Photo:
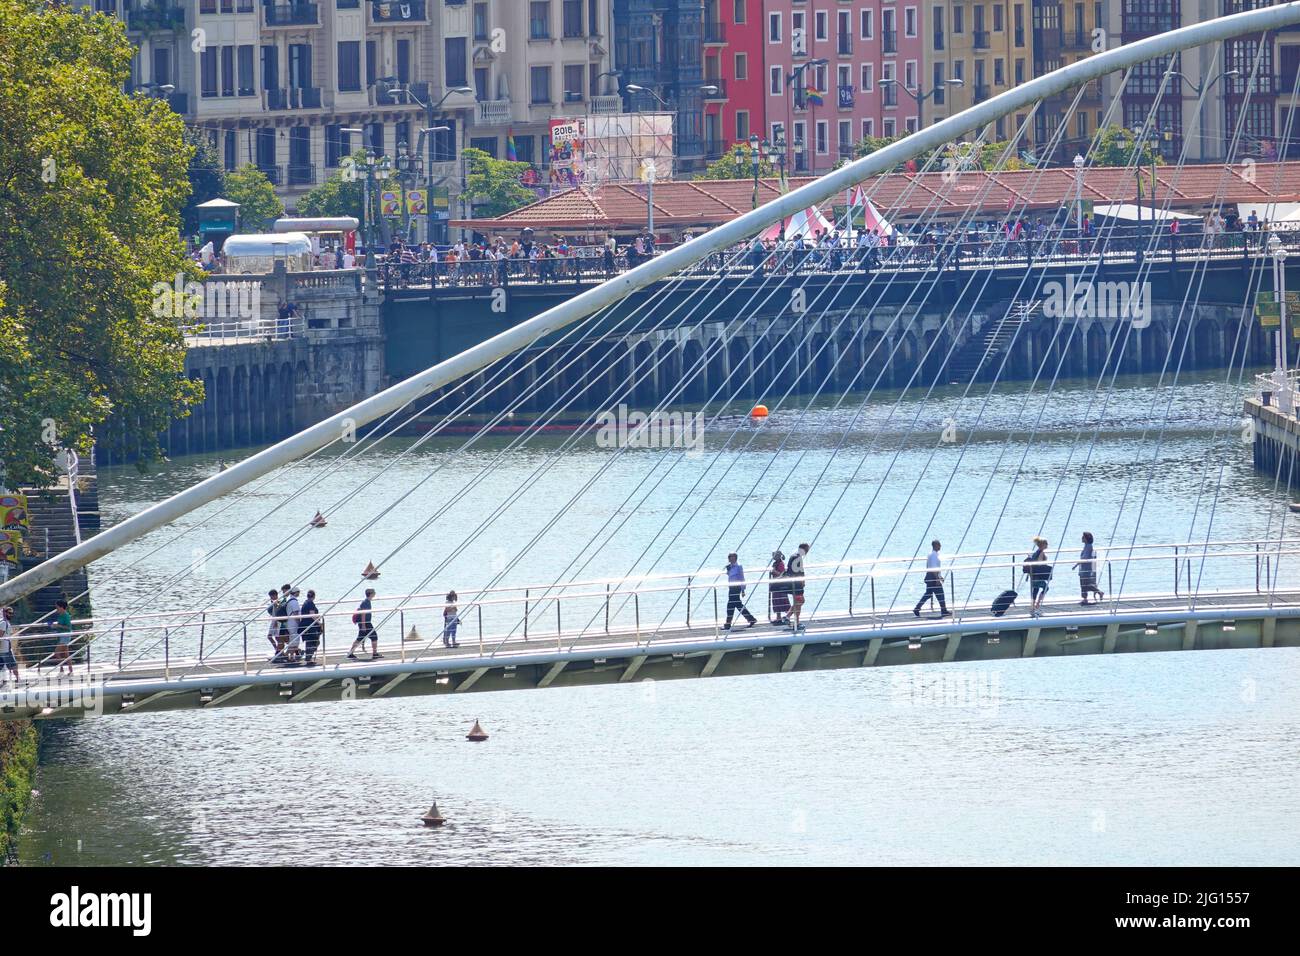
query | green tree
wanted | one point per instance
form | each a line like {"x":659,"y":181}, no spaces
{"x":738,"y":163}
{"x":207,"y":178}
{"x":344,"y":193}
{"x":493,"y":185}
{"x":92,"y":181}
{"x":259,"y":206}
{"x":1115,"y":147}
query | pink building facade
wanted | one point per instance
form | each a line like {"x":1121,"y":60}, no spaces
{"x":733,"y":62}
{"x":860,"y":42}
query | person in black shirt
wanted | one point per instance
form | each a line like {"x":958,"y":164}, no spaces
{"x":312,"y":626}
{"x":365,"y":629}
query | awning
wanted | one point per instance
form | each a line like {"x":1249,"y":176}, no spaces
{"x":1132,"y":213}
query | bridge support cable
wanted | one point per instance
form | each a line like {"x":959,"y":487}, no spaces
{"x":1182,"y":353}
{"x":473,"y":359}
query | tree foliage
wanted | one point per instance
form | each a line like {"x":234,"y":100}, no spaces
{"x":259,"y":206}
{"x":92,"y":181}
{"x":1116,"y":147}
{"x":344,"y":193}
{"x":738,"y":163}
{"x":492,"y":185}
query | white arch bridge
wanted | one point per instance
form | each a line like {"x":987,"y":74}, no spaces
{"x":650,"y":618}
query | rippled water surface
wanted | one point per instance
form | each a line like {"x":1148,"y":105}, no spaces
{"x":1175,"y":758}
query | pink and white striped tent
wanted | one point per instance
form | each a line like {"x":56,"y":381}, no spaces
{"x":871,"y":217}
{"x":807,"y":223}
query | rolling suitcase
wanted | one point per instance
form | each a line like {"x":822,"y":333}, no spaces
{"x":1002,"y":602}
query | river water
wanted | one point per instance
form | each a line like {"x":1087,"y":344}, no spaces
{"x":1168,"y":759}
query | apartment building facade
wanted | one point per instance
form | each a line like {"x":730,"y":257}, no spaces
{"x":734,"y":106}
{"x":974,"y":51}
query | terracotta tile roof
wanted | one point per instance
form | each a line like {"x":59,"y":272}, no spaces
{"x":694,"y":205}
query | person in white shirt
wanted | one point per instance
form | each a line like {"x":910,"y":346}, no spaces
{"x":7,"y":660}
{"x":933,"y":582}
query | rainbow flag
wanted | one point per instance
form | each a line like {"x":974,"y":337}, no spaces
{"x":815,"y":96}
{"x":511,"y":153}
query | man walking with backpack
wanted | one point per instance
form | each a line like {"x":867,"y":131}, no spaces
{"x":365,"y":629}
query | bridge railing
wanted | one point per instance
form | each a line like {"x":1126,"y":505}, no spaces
{"x":971,"y":249}
{"x":502,"y":619}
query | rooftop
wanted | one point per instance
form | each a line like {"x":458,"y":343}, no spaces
{"x":697,"y":205}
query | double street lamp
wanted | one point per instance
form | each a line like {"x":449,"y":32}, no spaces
{"x":758,"y":151}
{"x":1199,"y":89}
{"x":373,"y":168}
{"x":394,"y":89}
{"x":919,"y":95}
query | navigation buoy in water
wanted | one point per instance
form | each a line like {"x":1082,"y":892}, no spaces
{"x":1295,"y":506}
{"x":477,"y":733}
{"x":433,"y":818}
{"x":371,"y":572}
{"x":414,"y":635}
{"x":758,"y":411}
{"x":318,"y":521}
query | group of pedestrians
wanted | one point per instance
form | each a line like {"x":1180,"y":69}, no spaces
{"x":1036,"y":568}
{"x":785,"y":590}
{"x":296,"y":628}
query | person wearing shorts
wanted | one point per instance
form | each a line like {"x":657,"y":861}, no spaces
{"x":365,"y":629}
{"x":794,"y":571}
{"x":8,"y":662}
{"x":63,"y":628}
{"x":1040,"y":573}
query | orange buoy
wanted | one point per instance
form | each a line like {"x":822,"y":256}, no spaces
{"x":477,"y":733}
{"x":758,"y":411}
{"x":371,"y":572}
{"x":433,"y":818}
{"x":318,"y":521}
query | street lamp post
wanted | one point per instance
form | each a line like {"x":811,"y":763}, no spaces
{"x":1283,"y":388}
{"x":919,"y":95}
{"x":754,"y":155}
{"x":1078,"y":193}
{"x":394,"y":89}
{"x":1199,"y":89}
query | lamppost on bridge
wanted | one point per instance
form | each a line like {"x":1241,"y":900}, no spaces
{"x":373,"y":167}
{"x":758,"y":151}
{"x":794,"y":81}
{"x":1283,"y":389}
{"x":394,"y":89}
{"x":1078,"y":193}
{"x":920,"y":95}
{"x":1199,"y":89}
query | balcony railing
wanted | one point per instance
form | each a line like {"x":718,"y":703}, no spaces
{"x":1076,"y":41}
{"x":494,"y":112}
{"x":938,"y":40}
{"x":889,"y":41}
{"x":715,"y":33}
{"x":844,"y":45}
{"x":275,"y":174}
{"x":154,"y":18}
{"x":302,"y":174}
{"x":294,"y":98}
{"x":600,"y":105}
{"x":714,"y":148}
{"x":690,"y":147}
{"x":398,"y":11}
{"x":981,"y":92}
{"x":721,"y":86}
{"x":889,"y":94}
{"x":293,"y":15}
{"x":981,"y":39}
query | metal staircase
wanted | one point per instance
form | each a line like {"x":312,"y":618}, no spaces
{"x":982,"y":352}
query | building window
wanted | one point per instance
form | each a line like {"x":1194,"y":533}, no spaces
{"x":1019,"y":21}
{"x":909,"y":74}
{"x":868,"y":128}
{"x":936,"y":20}
{"x":481,"y":21}
{"x":1001,"y":127}
{"x":574,"y":76}
{"x":208,"y":72}
{"x":938,"y":87}
{"x":403,"y":61}
{"x":911,"y":124}
{"x":540,"y":85}
{"x":820,"y":23}
{"x":845,"y":142}
{"x":482,"y":80}
{"x":890,"y":127}
{"x":742,"y":124}
{"x":738,"y":11}
{"x":372,"y":62}
{"x":909,"y":22}
{"x":774,"y":28}
{"x":231,"y":151}
{"x":374,"y":138}
{"x":742,"y":66}
{"x":1020,"y":72}
{"x":867,"y":70}
{"x":350,"y":65}
{"x":999,"y":73}
{"x":593,"y":17}
{"x":958,"y":20}
{"x":227,"y":71}
{"x":1081,"y":125}
{"x":487,"y":144}
{"x":525,"y":148}
{"x":997,"y":18}
{"x":774,"y":80}
{"x":245,"y":56}
{"x":337,"y":145}
{"x":442,"y":144}
{"x":539,"y":20}
{"x":868,"y":24}
{"x":454,"y":52}
{"x":572,"y":16}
